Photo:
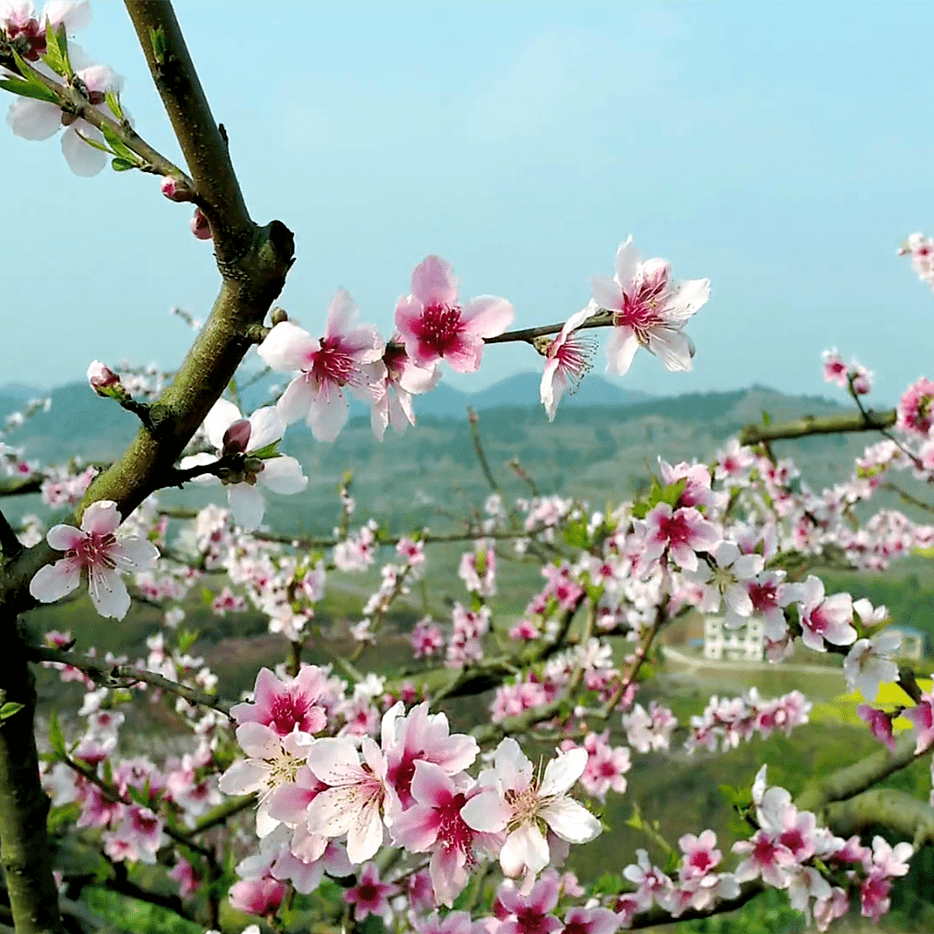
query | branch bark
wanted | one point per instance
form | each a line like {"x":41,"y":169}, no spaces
{"x":818,"y":425}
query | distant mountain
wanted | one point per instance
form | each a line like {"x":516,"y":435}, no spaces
{"x":523,"y":389}
{"x":19,"y":393}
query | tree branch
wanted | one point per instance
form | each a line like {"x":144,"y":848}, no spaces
{"x":201,"y":140}
{"x":897,"y":810}
{"x":818,"y":425}
{"x":120,"y":676}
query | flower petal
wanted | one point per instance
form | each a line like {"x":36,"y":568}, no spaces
{"x":52,"y":582}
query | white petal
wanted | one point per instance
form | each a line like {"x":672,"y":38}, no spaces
{"x":627,"y":263}
{"x":486,"y":812}
{"x":569,"y":820}
{"x":83,"y":159}
{"x":295,"y":402}
{"x":259,"y":741}
{"x":328,"y":414}
{"x":134,"y":554}
{"x":108,"y":592}
{"x":621,"y":347}
{"x":283,"y":475}
{"x":267,"y":425}
{"x":31,"y":119}
{"x":288,"y":348}
{"x":673,"y":348}
{"x":524,"y":847}
{"x":365,"y":835}
{"x":243,"y":777}
{"x":563,"y":771}
{"x":222,"y":415}
{"x":247,"y":505}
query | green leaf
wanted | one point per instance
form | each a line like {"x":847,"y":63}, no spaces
{"x":766,"y":418}
{"x":207,"y":596}
{"x":186,"y":639}
{"x":94,"y":143}
{"x":575,"y":534}
{"x":267,"y":452}
{"x":117,"y":146}
{"x":121,"y":165}
{"x":8,"y":709}
{"x":159,"y":47}
{"x":28,"y":88}
{"x":56,"y":737}
{"x":56,"y":50}
{"x":113,"y":103}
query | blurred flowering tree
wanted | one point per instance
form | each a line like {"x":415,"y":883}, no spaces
{"x":332,"y":794}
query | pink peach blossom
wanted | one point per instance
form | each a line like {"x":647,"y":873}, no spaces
{"x":433,"y":325}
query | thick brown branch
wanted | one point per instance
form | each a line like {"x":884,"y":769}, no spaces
{"x":24,"y":806}
{"x":201,"y":140}
{"x":818,"y":425}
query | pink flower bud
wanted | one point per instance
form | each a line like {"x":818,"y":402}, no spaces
{"x":237,"y":437}
{"x":175,"y":189}
{"x":200,"y":226}
{"x":104,"y":381}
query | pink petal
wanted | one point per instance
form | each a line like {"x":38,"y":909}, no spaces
{"x":431,"y":785}
{"x":65,"y":537}
{"x":488,"y":316}
{"x":101,"y":518}
{"x":53,"y":581}
{"x":434,"y":282}
{"x":464,"y":356}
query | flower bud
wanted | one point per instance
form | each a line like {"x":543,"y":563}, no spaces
{"x":237,"y":437}
{"x":199,"y":225}
{"x":279,"y":315}
{"x":175,"y":189}
{"x":104,"y":381}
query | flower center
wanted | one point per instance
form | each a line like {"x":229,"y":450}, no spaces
{"x":439,"y":326}
{"x":331,"y":364}
{"x":94,"y":550}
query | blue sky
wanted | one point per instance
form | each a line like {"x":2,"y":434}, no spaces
{"x":782,"y":150}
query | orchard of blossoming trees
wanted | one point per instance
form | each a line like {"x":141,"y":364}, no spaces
{"x":331,"y":795}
